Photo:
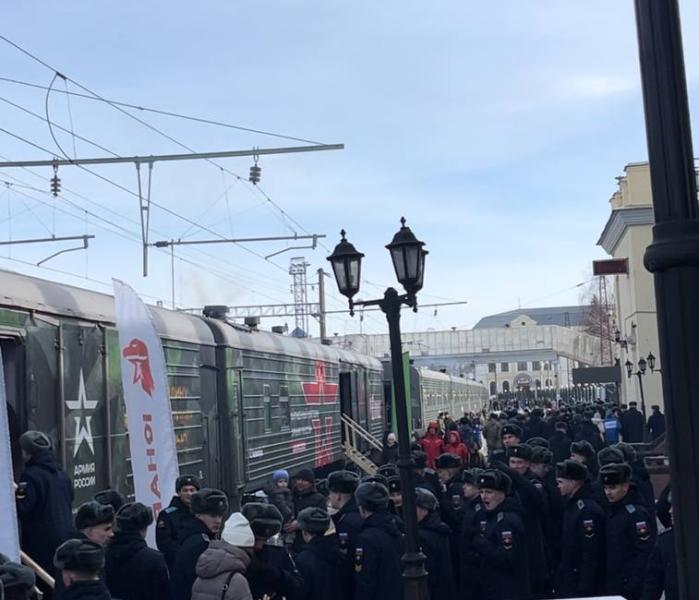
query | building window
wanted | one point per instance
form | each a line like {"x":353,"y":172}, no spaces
{"x":504,"y":367}
{"x":548,"y":383}
{"x":493,"y":388}
{"x":537,"y":383}
{"x":491,"y":367}
{"x":505,"y":386}
{"x":522,"y":366}
{"x":547,"y":366}
{"x":536,"y":365}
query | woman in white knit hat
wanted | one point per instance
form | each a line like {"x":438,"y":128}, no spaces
{"x":221,"y":568}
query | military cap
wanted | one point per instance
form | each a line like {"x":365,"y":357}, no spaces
{"x":394,"y":485}
{"x":583,"y":448}
{"x":184,"y":480}
{"x":388,"y":470}
{"x":91,"y":514}
{"x":541,"y":456}
{"x":79,"y":555}
{"x":375,"y":479}
{"x":614,"y":474}
{"x":34,"y":441}
{"x":209,"y":502}
{"x":608,"y":456}
{"x":344,"y":482}
{"x":538,"y":442}
{"x":425,"y":499}
{"x":494,"y":480}
{"x":627,"y":449}
{"x":522,"y":451}
{"x":633,"y":403}
{"x":448,"y":461}
{"x":470,"y":476}
{"x":570,"y":469}
{"x":511,"y":429}
{"x":313,"y":520}
{"x":305,"y":475}
{"x":111,"y":497}
{"x":419,"y":459}
{"x":372,"y":495}
{"x":16,"y":578}
{"x":265,"y":519}
{"x":133,"y":517}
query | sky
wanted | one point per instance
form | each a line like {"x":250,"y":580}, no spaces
{"x":497,"y":129}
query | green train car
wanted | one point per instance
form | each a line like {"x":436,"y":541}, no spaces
{"x":244,"y":402}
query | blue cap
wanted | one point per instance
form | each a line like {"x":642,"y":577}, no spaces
{"x":279,"y":475}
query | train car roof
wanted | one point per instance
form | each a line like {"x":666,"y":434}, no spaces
{"x":274,"y":343}
{"x":62,"y":300}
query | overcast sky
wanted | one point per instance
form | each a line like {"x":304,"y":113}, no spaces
{"x":497,"y":129}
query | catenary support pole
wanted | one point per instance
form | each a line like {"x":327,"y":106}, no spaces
{"x":673,"y":258}
{"x":321,"y":305}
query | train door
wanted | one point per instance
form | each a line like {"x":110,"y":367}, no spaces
{"x":211,"y":454}
{"x":234,"y":453}
{"x":43,"y":394}
{"x":12,"y":365}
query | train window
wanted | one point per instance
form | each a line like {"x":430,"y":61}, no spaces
{"x":285,"y":407}
{"x":267,"y":408}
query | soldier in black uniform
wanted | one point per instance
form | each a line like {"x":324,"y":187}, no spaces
{"x":469,"y":560}
{"x":341,"y":488}
{"x":511,"y":435}
{"x":583,"y":452}
{"x":111,"y":497}
{"x":16,"y":581}
{"x":272,"y":571}
{"x":320,"y":562}
{"x":209,"y":508}
{"x":44,"y":498}
{"x":422,"y":476}
{"x":499,"y":539}
{"x":379,"y":548}
{"x":94,"y":522}
{"x":135,"y":571}
{"x":580,"y":571}
{"x":434,"y":538}
{"x":451,"y":501}
{"x":395,"y":496}
{"x":80,"y":562}
{"x":541,"y":466}
{"x":629,"y":536}
{"x":176,"y":517}
{"x":661,"y":573}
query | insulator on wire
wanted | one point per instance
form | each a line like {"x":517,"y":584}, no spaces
{"x":255,"y":174}
{"x":55,"y":182}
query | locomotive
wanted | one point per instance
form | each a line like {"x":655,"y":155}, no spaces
{"x":244,"y":402}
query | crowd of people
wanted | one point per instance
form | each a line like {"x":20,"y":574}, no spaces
{"x":548,"y":508}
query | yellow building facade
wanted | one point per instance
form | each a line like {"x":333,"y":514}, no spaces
{"x":627,"y":234}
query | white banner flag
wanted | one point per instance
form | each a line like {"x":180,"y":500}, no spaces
{"x":9,"y":535}
{"x":146,"y":394}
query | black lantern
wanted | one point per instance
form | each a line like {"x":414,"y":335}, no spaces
{"x":408,"y":256}
{"x":629,"y":368}
{"x":642,"y":365}
{"x":347,"y":267}
{"x":651,"y":362}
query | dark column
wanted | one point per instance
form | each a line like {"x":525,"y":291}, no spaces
{"x":414,"y":574}
{"x":673,"y":258}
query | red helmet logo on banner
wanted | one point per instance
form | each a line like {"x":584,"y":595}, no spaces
{"x":137,"y":354}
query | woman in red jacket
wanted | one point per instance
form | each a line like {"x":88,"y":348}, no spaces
{"x":432,"y":444}
{"x":455,"y":446}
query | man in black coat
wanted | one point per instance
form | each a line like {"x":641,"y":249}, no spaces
{"x":174,"y":519}
{"x":656,"y":423}
{"x":319,"y":561}
{"x":580,"y":571}
{"x":377,"y":566}
{"x":435,"y":543}
{"x":272,"y":571}
{"x":209,"y":508}
{"x":541,"y":466}
{"x":499,"y":539}
{"x":44,"y":500}
{"x":661,"y":573}
{"x":422,"y":476}
{"x":347,"y":521}
{"x":632,"y":425}
{"x":559,"y":442}
{"x":80,"y":563}
{"x":629,"y":536}
{"x":469,"y":560}
{"x":133,"y":570}
{"x":305,"y":495}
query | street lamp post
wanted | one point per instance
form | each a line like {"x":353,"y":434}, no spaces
{"x":408,"y":256}
{"x":643,"y":365}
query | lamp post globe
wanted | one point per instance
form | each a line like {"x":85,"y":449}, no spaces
{"x":642,"y":366}
{"x":629,"y":368}
{"x":346,"y":262}
{"x":408,"y":256}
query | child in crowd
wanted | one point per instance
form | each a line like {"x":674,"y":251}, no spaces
{"x":280,"y":496}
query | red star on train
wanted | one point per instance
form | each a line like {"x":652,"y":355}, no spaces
{"x":319,"y":391}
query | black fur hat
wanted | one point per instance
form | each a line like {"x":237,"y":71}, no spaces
{"x":265,"y":519}
{"x":93,"y":513}
{"x":133,"y":517}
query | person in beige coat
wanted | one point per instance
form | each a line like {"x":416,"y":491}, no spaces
{"x":221,"y":568}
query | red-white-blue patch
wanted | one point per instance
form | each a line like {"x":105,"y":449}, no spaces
{"x":506,"y":537}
